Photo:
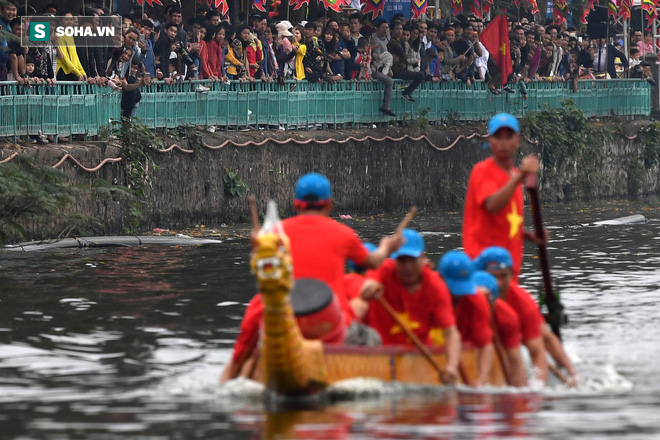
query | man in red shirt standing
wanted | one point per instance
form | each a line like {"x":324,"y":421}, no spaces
{"x":420,"y":299}
{"x":471,"y":309}
{"x":494,"y":201}
{"x":536,"y":334}
{"x":320,"y":247}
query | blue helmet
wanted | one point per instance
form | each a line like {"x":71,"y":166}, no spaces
{"x":313,"y":187}
{"x":413,"y":246}
{"x":487,"y":280}
{"x":456,"y":269}
{"x":494,"y":257}
{"x":503,"y":120}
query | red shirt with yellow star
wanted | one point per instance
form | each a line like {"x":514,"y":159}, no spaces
{"x":426,"y":311}
{"x":482,"y":229}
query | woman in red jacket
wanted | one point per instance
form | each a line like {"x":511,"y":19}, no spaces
{"x":215,"y":48}
{"x":206,"y":71}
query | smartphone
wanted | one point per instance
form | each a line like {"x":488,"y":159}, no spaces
{"x":286,"y":44}
{"x":142,"y":38}
{"x":580,"y":39}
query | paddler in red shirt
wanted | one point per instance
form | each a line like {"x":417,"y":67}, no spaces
{"x":471,"y":309}
{"x":506,"y":328}
{"x":320,"y":247}
{"x":420,"y":299}
{"x":493,"y":214}
{"x":536,"y":334}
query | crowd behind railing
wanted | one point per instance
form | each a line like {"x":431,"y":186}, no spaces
{"x":351,"y":47}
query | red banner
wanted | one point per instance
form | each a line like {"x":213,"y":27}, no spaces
{"x":300,"y":4}
{"x":624,"y":9}
{"x":418,"y":7}
{"x":612,"y":9}
{"x":375,"y":6}
{"x":534,"y":6}
{"x":456,"y":7}
{"x":335,"y":5}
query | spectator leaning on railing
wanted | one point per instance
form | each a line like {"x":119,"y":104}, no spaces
{"x":314,"y":56}
{"x":16,"y":52}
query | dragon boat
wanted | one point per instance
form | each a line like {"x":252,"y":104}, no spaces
{"x":289,"y":364}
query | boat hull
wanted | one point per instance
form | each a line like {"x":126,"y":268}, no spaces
{"x":393,"y":364}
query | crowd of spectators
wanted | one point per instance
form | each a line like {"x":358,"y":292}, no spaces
{"x":344,"y":47}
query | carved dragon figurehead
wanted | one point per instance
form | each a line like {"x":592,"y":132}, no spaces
{"x":271,"y":260}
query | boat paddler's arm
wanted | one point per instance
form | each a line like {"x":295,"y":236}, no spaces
{"x":537,"y":355}
{"x":453,"y":352}
{"x":556,"y":350}
{"x":518,"y":374}
{"x":387,"y":245}
{"x":500,"y":199}
{"x":228,"y":372}
{"x":484,"y":362}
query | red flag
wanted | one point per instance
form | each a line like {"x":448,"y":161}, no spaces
{"x":495,"y":39}
{"x":260,"y":5}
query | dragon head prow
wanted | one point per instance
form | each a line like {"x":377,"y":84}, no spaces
{"x":271,"y":259}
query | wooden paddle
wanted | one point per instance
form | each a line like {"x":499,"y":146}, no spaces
{"x":253,"y":212}
{"x":555,"y":315}
{"x":559,"y":374}
{"x":406,"y":220}
{"x":413,"y":337}
{"x":499,"y":347}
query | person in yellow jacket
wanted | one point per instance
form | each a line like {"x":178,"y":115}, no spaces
{"x":68,"y":64}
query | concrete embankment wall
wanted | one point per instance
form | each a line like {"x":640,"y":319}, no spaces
{"x":368,"y":176}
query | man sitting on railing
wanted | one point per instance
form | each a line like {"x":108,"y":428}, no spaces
{"x":399,"y":68}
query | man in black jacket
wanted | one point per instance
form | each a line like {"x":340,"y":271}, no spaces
{"x":167,"y":41}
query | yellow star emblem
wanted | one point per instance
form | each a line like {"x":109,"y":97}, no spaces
{"x":437,"y":336}
{"x":405,"y":319}
{"x":503,"y":48}
{"x":515,"y":220}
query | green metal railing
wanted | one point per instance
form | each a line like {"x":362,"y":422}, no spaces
{"x":72,"y":108}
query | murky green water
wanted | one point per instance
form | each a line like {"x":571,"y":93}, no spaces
{"x":104,"y":343}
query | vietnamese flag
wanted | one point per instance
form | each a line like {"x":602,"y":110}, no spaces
{"x":495,"y":39}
